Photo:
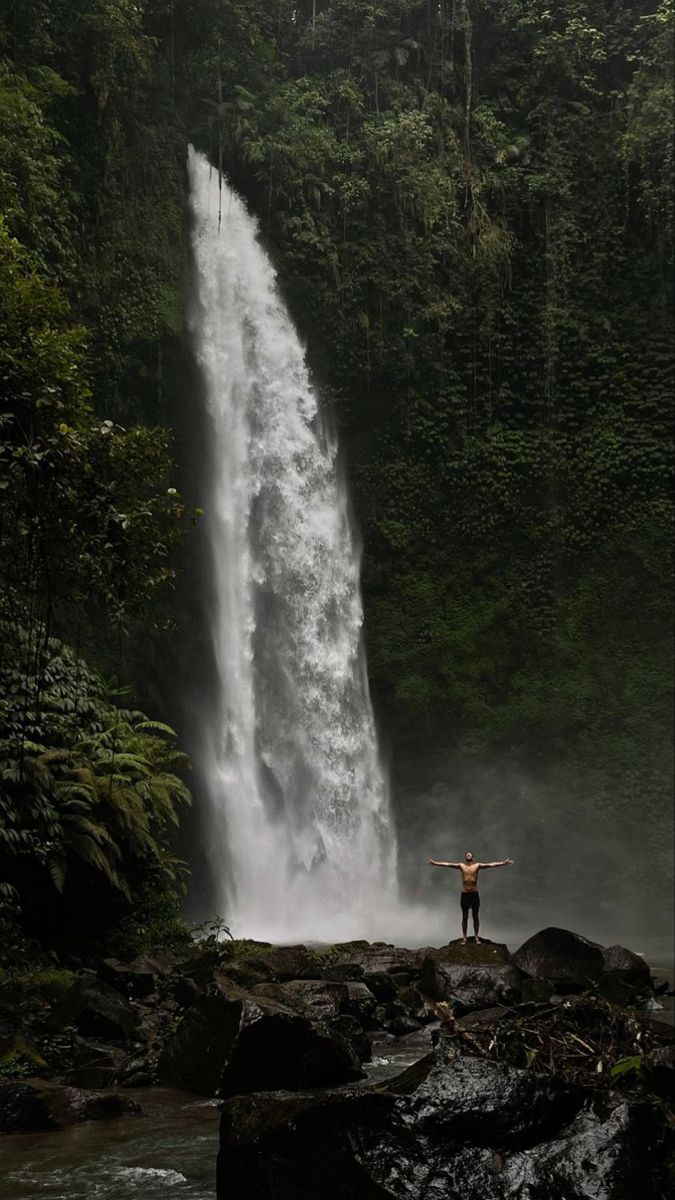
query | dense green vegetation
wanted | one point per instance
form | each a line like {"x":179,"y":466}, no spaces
{"x":470,"y":204}
{"x":89,"y":514}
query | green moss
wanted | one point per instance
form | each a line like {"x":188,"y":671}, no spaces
{"x":50,"y":983}
{"x":22,"y":1061}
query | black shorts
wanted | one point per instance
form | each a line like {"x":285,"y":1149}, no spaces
{"x":470,"y":902}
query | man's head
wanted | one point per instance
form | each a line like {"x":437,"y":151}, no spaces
{"x":468,"y":857}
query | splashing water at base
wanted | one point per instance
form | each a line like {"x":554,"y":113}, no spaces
{"x":300,"y":830}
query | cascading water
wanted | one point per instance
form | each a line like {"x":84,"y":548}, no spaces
{"x":300,"y":827}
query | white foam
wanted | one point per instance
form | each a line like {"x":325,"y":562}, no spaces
{"x":300,"y":829}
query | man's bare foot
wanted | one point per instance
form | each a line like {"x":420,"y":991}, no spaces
{"x":477,"y":941}
{"x":464,"y":941}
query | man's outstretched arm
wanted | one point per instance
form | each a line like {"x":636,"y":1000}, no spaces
{"x":432,"y":863}
{"x":506,"y":862}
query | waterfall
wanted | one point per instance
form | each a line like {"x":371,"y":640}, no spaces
{"x":299,"y":824}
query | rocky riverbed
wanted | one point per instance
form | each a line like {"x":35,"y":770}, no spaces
{"x":540,"y":1073}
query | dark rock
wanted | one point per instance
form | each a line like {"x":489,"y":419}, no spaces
{"x":361,"y":1004}
{"x":314,"y":998}
{"x":251,"y":963}
{"x":659,"y":1072}
{"x":613,"y":1150}
{"x":129,"y":980}
{"x":469,"y":988}
{"x":401,"y":1026}
{"x":402,"y":979}
{"x":560,"y":955}
{"x":485,"y":954}
{"x":381,"y":985}
{"x":159,"y":960}
{"x":232,"y":1041}
{"x":279,"y":1049}
{"x":483,"y":1016}
{"x":96,"y":1010}
{"x":203,"y":964}
{"x":489,"y":1103}
{"x":378,"y":957}
{"x":342,"y":972}
{"x":626,"y":979}
{"x":441,"y":1129}
{"x":663,"y":1031}
{"x":408,"y":1080}
{"x":293,"y":962}
{"x":25,"y":1107}
{"x":37,"y":1104}
{"x":136,"y":1072}
{"x":393,"y":1009}
{"x":613,"y":986}
{"x":630,"y":966}
{"x":413,"y":1001}
{"x":350,"y":1030}
{"x":185,"y":992}
{"x":100,"y":1106}
{"x":536,"y":990}
{"x":300,"y":1147}
{"x":94,"y":1066}
{"x":138,"y":1079}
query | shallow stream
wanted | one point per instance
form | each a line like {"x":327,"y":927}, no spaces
{"x":171,"y":1150}
{"x":168,"y":1152}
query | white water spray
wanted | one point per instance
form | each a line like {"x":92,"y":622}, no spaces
{"x":300,"y":828}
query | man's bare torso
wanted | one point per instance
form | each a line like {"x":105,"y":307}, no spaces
{"x":469,"y":876}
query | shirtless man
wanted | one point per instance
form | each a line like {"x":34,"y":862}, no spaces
{"x":470,"y":900}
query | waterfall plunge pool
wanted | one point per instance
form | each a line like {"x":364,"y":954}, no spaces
{"x":169,"y":1151}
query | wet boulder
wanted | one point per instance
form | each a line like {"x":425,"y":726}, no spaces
{"x":38,"y":1104}
{"x":93,"y":1065}
{"x":562,"y":956}
{"x":379,"y":957}
{"x":134,"y":981}
{"x":488,"y":1103}
{"x":630,"y":966}
{"x":626,"y":978}
{"x":314,"y":998}
{"x":302,"y":1146}
{"x":186,"y":992}
{"x":232,"y":1041}
{"x":361,"y":1004}
{"x":415,"y":1004}
{"x":351,"y":1031}
{"x":202,"y":963}
{"x":402,"y":1024}
{"x":348,"y":972}
{"x":614,"y":1150}
{"x":659,"y":1071}
{"x":381,"y":984}
{"x":293,"y":962}
{"x":251,"y":963}
{"x":96,"y":1010}
{"x":537,"y":991}
{"x":443,"y":1128}
{"x":471,"y":987}
{"x":485,"y":954}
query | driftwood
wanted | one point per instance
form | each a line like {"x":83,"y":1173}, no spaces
{"x":583,"y":1039}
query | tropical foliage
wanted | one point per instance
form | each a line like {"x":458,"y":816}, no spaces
{"x":89,"y":795}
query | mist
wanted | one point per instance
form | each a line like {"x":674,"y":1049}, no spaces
{"x":575,"y":867}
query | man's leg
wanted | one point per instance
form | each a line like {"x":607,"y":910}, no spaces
{"x":465,"y":922}
{"x":476,"y":926}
